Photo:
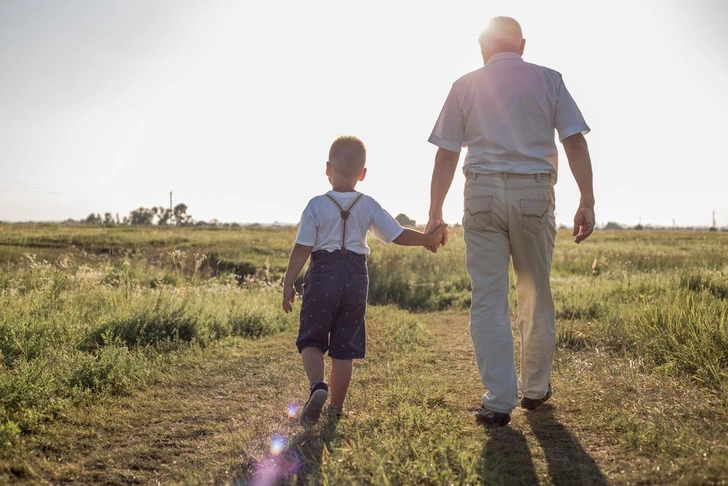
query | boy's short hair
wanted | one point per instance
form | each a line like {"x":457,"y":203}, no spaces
{"x":348,"y":155}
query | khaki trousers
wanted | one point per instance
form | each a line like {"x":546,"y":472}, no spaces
{"x":511,"y":217}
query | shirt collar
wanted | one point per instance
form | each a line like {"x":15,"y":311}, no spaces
{"x":504,"y":55}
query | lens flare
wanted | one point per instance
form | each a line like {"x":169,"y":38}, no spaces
{"x":292,"y":411}
{"x":277,"y":444}
{"x":273,"y":469}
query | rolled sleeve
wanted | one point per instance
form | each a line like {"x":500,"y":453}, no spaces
{"x":568,"y":119}
{"x":449,"y":130}
{"x":446,"y":144}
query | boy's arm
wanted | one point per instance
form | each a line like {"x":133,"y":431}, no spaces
{"x":410,"y":237}
{"x":296,"y":261}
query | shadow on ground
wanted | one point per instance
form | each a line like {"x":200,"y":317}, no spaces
{"x":298,"y":463}
{"x":506,"y":458}
{"x":568,"y":462}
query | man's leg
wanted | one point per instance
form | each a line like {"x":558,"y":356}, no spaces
{"x":487,"y":261}
{"x":532,"y":236}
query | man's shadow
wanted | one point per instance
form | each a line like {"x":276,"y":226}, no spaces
{"x":506,"y":458}
{"x":568,"y":462}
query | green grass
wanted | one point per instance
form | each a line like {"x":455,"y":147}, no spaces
{"x":88,"y":314}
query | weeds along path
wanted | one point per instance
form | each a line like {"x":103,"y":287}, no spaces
{"x":192,"y":428}
{"x":223,"y":420}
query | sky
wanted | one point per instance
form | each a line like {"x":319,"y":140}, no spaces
{"x":108,"y":106}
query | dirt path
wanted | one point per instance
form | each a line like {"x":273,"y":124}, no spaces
{"x":212,"y":422}
{"x":191,"y":429}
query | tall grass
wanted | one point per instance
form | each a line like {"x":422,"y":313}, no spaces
{"x":73,"y":334}
{"x":90,"y":312}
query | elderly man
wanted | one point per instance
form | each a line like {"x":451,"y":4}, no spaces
{"x":506,"y":114}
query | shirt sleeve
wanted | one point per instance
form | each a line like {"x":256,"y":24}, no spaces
{"x":384,"y":226}
{"x":449,"y":130}
{"x":568,"y":119}
{"x":307,"y":227}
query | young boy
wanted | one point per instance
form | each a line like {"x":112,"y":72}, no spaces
{"x":333,"y":232}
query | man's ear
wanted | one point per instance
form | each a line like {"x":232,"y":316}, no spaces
{"x":328,"y":168}
{"x":363,"y":174}
{"x":522,"y":48}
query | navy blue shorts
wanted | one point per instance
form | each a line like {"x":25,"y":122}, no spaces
{"x":334,"y":304}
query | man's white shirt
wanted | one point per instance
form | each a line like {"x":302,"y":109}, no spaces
{"x":505,"y":113}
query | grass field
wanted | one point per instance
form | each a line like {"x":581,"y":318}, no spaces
{"x":138,"y":355}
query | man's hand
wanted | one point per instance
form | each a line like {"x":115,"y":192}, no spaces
{"x":289,"y":296}
{"x":584,"y":221}
{"x":432,"y":226}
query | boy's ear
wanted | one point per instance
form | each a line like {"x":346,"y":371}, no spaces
{"x":328,"y":168}
{"x":363,"y":174}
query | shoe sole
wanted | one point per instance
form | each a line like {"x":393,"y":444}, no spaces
{"x":311,"y":412}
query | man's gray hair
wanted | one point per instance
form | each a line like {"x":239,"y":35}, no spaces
{"x":504,"y":32}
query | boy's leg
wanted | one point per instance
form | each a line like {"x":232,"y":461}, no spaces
{"x":339,"y":379}
{"x":313,"y":363}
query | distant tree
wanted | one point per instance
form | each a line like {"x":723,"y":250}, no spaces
{"x":613,"y":226}
{"x":141,"y":217}
{"x":108,"y":219}
{"x":404,"y":220}
{"x":181,"y":218}
{"x":93,"y":219}
{"x":164,"y":215}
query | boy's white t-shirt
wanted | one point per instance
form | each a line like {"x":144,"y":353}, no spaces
{"x":321,"y":222}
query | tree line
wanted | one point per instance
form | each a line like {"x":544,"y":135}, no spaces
{"x":142,"y":216}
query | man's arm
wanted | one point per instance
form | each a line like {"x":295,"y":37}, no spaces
{"x":577,"y":152}
{"x":296,"y":261}
{"x":446,"y":162}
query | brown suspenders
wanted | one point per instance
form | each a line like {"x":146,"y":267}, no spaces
{"x":344,"y":216}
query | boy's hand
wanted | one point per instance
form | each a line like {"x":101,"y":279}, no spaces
{"x":289,"y":296}
{"x":438,"y":237}
{"x":437,"y":227}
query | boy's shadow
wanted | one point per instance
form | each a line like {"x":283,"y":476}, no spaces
{"x":298,"y":463}
{"x":309,"y":448}
{"x":506,"y":458}
{"x":568,"y":462}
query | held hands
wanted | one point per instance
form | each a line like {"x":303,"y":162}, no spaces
{"x":289,"y":296}
{"x":584,"y":222}
{"x":438,"y":229}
